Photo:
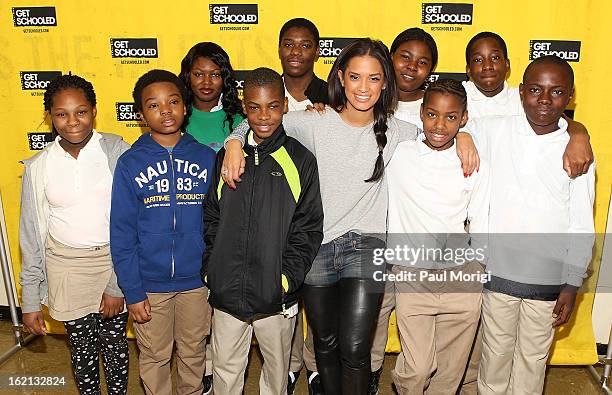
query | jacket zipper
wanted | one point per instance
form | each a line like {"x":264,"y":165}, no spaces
{"x":173,"y":212}
{"x":244,"y":275}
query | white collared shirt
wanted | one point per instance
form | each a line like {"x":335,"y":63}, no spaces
{"x":219,"y":105}
{"x":79,"y":194}
{"x":429,"y":194}
{"x":532,"y":194}
{"x":410,"y":111}
{"x":506,"y":102}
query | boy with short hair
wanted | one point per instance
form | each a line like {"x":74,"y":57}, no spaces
{"x":541,"y":231}
{"x":430,"y":200}
{"x":156,"y":237}
{"x":262,"y":239}
{"x":487,"y":66}
{"x":298,"y":50}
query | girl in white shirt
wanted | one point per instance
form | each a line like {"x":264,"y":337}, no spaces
{"x":64,"y":237}
{"x":414,"y":54}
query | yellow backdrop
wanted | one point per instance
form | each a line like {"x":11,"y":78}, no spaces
{"x":91,"y":38}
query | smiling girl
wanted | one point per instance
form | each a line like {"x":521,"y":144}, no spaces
{"x":64,"y":237}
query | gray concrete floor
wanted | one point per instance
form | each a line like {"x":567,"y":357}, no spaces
{"x":49,"y":355}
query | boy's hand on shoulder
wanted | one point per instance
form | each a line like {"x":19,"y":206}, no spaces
{"x":578,"y":155}
{"x":318,"y":107}
{"x":34,"y":323}
{"x":565,"y":305}
{"x":111,"y":306}
{"x":141,"y":311}
{"x":467,"y":152}
{"x":233,"y":163}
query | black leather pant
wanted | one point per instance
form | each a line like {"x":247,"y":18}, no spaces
{"x":342,"y":317}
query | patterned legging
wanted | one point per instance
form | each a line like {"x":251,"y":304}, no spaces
{"x":90,"y":335}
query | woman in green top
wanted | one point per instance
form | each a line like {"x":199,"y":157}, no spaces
{"x":213,"y":106}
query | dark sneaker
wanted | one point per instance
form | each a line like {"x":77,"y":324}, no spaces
{"x":207,"y":381}
{"x":292,"y":381}
{"x":315,"y":387}
{"x":374,"y":379}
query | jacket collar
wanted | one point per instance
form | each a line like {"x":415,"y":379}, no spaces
{"x":269,"y":145}
{"x":147,"y":142}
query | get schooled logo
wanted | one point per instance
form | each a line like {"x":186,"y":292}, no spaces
{"x":330,"y":47}
{"x":37,"y":81}
{"x":568,"y":50}
{"x":36,"y":17}
{"x":39,"y":140}
{"x":240,"y":75}
{"x":138,"y":49}
{"x":447,"y":14}
{"x":233,"y":14}
{"x":453,"y":76}
{"x":127,"y":114}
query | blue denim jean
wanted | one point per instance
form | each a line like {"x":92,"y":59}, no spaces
{"x":347,"y":256}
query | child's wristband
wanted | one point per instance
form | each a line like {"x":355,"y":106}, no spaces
{"x":284,"y":283}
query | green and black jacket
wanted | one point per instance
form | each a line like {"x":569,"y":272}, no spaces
{"x":271,"y":225}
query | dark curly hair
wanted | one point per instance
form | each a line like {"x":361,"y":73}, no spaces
{"x":447,"y":86}
{"x":386,"y":103}
{"x":68,"y":81}
{"x":230,"y":101}
{"x":469,"y":47}
{"x":299,"y":22}
{"x":151,"y":77}
{"x":264,"y":76}
{"x":417,"y":34}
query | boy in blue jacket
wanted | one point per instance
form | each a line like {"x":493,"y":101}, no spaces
{"x":157,"y":237}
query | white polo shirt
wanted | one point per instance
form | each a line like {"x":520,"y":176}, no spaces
{"x":79,"y":194}
{"x":428,"y":194}
{"x":506,"y":102}
{"x":532,"y":194}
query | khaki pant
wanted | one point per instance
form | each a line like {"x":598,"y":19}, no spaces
{"x":469,"y":384}
{"x":517,"y":335}
{"x":437,"y":323}
{"x":381,"y":331}
{"x":181,"y":319}
{"x":231,"y":342}
{"x":302,"y":351}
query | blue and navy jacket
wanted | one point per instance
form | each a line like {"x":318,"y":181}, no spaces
{"x":156,"y":221}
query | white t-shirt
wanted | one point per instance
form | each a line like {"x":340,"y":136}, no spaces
{"x":79,"y":195}
{"x":295,"y":105}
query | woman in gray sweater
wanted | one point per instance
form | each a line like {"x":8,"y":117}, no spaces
{"x":352,"y":144}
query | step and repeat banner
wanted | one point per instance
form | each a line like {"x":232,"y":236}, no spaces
{"x":112,"y":43}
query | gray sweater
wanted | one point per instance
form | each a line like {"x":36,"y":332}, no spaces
{"x":33,"y":225}
{"x":345,"y":156}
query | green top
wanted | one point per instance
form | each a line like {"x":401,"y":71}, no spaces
{"x":210,"y":128}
